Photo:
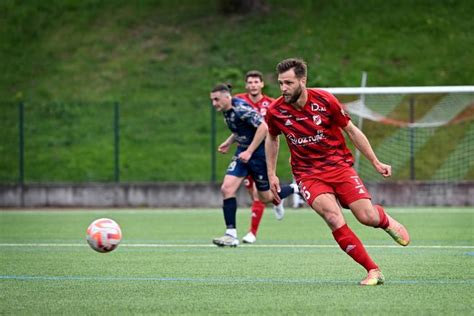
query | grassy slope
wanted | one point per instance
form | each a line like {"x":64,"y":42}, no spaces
{"x":159,"y":61}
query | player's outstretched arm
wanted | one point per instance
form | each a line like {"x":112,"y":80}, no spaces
{"x":272,"y":146}
{"x":363,"y":145}
{"x":258,"y":138}
{"x":225,"y":146}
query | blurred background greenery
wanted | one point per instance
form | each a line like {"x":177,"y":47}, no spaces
{"x":69,"y":61}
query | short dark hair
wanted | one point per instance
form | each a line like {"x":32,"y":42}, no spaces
{"x":298,"y":66}
{"x":254,"y":73}
{"x":222,"y":87}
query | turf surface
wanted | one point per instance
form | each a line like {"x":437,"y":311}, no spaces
{"x":166,"y":265}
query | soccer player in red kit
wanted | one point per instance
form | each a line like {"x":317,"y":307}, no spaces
{"x":254,"y":96}
{"x":312,"y":120}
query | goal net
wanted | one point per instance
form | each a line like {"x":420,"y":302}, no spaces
{"x":425,"y":133}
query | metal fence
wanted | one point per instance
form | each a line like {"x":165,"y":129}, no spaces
{"x":144,"y":142}
{"x":107,"y":142}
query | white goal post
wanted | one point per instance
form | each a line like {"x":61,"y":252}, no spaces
{"x":426,"y":133}
{"x":400,"y":90}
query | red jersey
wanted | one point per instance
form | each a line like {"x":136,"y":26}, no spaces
{"x":262,"y":105}
{"x":313,"y":133}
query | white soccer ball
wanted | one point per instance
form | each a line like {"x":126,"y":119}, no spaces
{"x":104,"y":235}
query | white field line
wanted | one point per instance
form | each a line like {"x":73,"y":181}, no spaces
{"x":169,"y":211}
{"x":213,"y":246}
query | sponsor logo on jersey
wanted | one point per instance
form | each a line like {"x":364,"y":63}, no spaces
{"x":306,"y":139}
{"x":301,"y":118}
{"x":288,"y":123}
{"x":316,"y":107}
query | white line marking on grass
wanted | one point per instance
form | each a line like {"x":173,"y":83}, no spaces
{"x":221,"y":280}
{"x":161,"y":211}
{"x":189,"y":211}
{"x":213,"y":246}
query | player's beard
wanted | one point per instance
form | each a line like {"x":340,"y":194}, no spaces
{"x":291,"y":99}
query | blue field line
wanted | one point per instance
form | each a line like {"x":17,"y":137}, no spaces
{"x":222,"y":280}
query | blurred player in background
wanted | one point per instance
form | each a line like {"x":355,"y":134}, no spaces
{"x":254,"y":96}
{"x":248,"y":131}
{"x":312,"y":121}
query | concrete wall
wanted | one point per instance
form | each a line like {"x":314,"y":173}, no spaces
{"x":208,"y":195}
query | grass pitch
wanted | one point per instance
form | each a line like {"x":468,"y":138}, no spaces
{"x":167,"y":265}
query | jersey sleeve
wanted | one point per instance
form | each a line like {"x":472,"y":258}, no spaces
{"x":247,"y":113}
{"x":340,"y":116}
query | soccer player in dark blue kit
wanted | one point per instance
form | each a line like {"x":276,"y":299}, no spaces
{"x":249,"y":131}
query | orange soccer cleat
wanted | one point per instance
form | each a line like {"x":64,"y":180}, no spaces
{"x":375,"y":277}
{"x":397,"y":231}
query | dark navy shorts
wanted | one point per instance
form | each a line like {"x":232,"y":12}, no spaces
{"x":256,"y":168}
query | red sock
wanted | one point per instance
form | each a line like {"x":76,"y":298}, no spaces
{"x":349,"y":242}
{"x":257,"y":212}
{"x":383,"y":217}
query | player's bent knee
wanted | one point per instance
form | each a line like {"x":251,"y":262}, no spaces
{"x":364,"y":219}
{"x":265,"y":196}
{"x":334,"y":220}
{"x":367,"y":217}
{"x":365,"y":212}
{"x":227,"y":190}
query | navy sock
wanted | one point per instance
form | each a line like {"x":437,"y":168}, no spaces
{"x":230,"y":208}
{"x":285,"y":191}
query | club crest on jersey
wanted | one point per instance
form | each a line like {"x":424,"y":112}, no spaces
{"x":316,"y":107}
{"x":317,"y":119}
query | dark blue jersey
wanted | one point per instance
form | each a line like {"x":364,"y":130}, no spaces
{"x":243,"y":120}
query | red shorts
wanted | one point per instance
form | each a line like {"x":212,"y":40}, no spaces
{"x":248,"y":182}
{"x":344,"y":183}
